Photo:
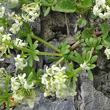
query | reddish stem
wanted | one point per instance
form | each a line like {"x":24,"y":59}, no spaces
{"x":99,"y":32}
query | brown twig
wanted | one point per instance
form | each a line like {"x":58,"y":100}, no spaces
{"x":99,"y":32}
{"x":74,"y":45}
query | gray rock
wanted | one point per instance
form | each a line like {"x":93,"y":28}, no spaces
{"x":43,"y":103}
{"x":50,"y":50}
{"x":93,"y":99}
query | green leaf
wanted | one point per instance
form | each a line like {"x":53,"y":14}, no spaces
{"x":87,"y":33}
{"x":90,"y":75}
{"x":46,"y":12}
{"x":99,"y":47}
{"x":7,"y":85}
{"x":70,"y":65}
{"x":30,"y":76}
{"x":36,"y":58}
{"x":2,"y":101}
{"x":39,"y":74}
{"x":105,"y":28}
{"x":30,"y":61}
{"x":53,"y":59}
{"x":29,"y":70}
{"x":93,"y":59}
{"x":107,"y":41}
{"x":87,"y":2}
{"x":29,"y":40}
{"x":81,"y":22}
{"x":65,"y":6}
{"x":22,"y":32}
{"x":35,"y":45}
{"x":13,"y":6}
{"x":26,"y":25}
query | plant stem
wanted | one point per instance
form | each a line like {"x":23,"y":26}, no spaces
{"x":99,"y":32}
{"x":46,"y":53}
{"x":71,"y":48}
{"x":74,"y":45}
{"x":59,"y":61}
{"x":46,"y":43}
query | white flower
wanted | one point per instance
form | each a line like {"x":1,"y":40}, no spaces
{"x":20,"y":62}
{"x":18,"y":58}
{"x":27,"y":86}
{"x":22,"y":78}
{"x":2,"y":11}
{"x":6,"y":37}
{"x":54,"y":81}
{"x":96,"y":10}
{"x":30,"y":103}
{"x":84,"y":66}
{"x":11,"y":16}
{"x":1,"y":29}
{"x":14,"y":29}
{"x":107,"y":53}
{"x":19,"y":43}
{"x":14,"y":84}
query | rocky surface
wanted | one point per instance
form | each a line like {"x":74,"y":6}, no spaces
{"x":43,"y":103}
{"x":93,"y":99}
{"x":91,"y":95}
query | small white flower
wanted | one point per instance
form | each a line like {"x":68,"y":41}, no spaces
{"x":11,"y":16}
{"x":20,"y":62}
{"x":14,"y":84}
{"x":6,"y":37}
{"x":18,"y":58}
{"x":19,"y":43}
{"x":84,"y":66}
{"x":30,"y":103}
{"x":22,"y":78}
{"x":27,"y":86}
{"x":96,"y":10}
{"x":2,"y":11}
{"x":107,"y":53}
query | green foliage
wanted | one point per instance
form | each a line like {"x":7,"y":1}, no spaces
{"x":4,"y":94}
{"x":106,"y":41}
{"x":72,"y":75}
{"x":83,"y":6}
{"x":93,"y":42}
{"x":90,"y":75}
{"x":67,"y":6}
{"x":86,"y":57}
{"x":64,"y":48}
{"x":81,"y":22}
{"x":105,"y":29}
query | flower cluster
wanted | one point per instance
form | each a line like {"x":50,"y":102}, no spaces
{"x":20,"y":62}
{"x":107,"y":52}
{"x":31,"y":12}
{"x":23,"y":91}
{"x":55,"y":82}
{"x":101,"y":9}
{"x":85,"y":66}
